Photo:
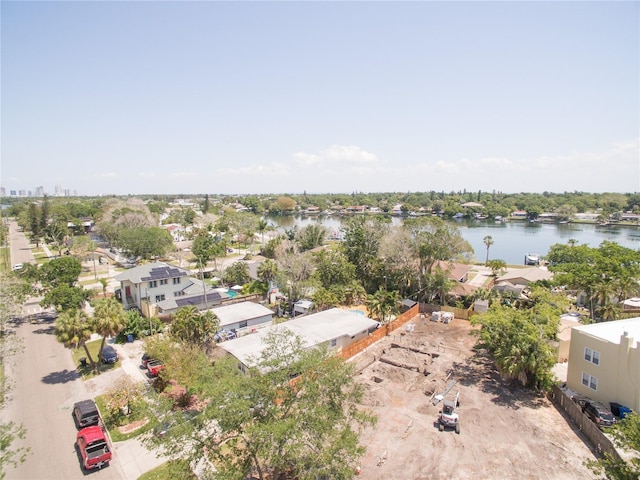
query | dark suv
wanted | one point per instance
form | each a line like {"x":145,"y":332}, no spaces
{"x":600,"y":414}
{"x":85,"y":413}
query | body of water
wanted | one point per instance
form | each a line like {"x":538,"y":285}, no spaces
{"x":511,"y":240}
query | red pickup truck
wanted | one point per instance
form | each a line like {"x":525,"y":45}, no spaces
{"x":154,"y":367}
{"x":93,"y":447}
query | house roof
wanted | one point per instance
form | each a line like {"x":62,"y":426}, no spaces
{"x":196,"y":300}
{"x":239,"y":312}
{"x":151,"y":271}
{"x":532,"y":274}
{"x":472,"y":204}
{"x":456,"y":270}
{"x":612,"y":331}
{"x":314,"y":330}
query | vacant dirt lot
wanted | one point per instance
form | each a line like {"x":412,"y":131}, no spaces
{"x":506,"y":432}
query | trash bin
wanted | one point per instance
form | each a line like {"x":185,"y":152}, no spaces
{"x":83,"y":362}
{"x":130,"y":338}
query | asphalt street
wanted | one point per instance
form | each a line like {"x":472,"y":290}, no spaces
{"x":45,"y":385}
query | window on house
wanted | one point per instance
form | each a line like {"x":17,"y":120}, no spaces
{"x":159,"y":298}
{"x":334,"y":342}
{"x":592,"y":356}
{"x":153,"y":284}
{"x":243,"y":324}
{"x":589,"y":381}
{"x":164,"y":281}
{"x":176,"y":281}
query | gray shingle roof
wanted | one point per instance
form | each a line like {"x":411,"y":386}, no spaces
{"x":152,"y":271}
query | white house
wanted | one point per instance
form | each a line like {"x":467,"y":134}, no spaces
{"x":336,"y":327}
{"x":243,"y":317}
{"x":161,"y":289}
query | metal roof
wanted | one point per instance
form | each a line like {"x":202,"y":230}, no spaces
{"x":239,"y":312}
{"x":314,"y":330}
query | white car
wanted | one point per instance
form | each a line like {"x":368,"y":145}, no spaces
{"x":17,"y":266}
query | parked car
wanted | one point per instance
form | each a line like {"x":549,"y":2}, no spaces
{"x":85,"y":413}
{"x":17,"y":267}
{"x":109,"y":354}
{"x":600,"y":414}
{"x":224,"y":334}
{"x":154,"y":367}
{"x":145,"y":359}
{"x":93,"y":447}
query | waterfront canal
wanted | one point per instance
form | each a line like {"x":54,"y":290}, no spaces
{"x":511,"y":240}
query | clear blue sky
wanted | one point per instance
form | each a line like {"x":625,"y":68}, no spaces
{"x":286,"y":97}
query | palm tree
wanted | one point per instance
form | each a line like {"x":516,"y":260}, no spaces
{"x":72,"y":329}
{"x":488,"y":241}
{"x":383,"y":304}
{"x":109,"y":318}
{"x":191,"y":326}
{"x":104,"y":283}
{"x":262,"y":227}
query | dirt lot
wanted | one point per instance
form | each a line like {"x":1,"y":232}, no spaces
{"x":506,"y":432}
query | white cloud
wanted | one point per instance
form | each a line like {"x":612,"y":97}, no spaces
{"x":337,"y":154}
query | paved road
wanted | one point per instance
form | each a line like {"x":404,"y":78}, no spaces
{"x":45,"y":386}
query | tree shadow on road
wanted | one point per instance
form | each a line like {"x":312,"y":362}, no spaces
{"x":45,"y":331}
{"x":479,"y":370}
{"x":63,"y":376}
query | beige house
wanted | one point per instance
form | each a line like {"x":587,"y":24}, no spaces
{"x":525,"y":276}
{"x":604,"y":362}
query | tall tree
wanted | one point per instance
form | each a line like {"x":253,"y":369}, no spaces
{"x":272,"y":427}
{"x":109,"y":318}
{"x":192,"y":326}
{"x":60,"y":271}
{"x":488,"y":241}
{"x":73,"y":329}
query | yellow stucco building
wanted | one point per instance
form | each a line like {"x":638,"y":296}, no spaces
{"x":604,"y":362}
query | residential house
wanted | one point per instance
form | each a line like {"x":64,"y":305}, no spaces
{"x":243,"y":317}
{"x":336,"y":328}
{"x":519,"y":215}
{"x":458,"y":272}
{"x":604,"y":362}
{"x":587,"y":216}
{"x":161,"y":289}
{"x":525,"y":276}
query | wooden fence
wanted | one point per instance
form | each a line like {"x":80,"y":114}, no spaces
{"x":461,"y":313}
{"x":597,"y":438}
{"x":383,"y":331}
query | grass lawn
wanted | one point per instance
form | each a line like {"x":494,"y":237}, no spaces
{"x":93,"y":347}
{"x":138,"y":422}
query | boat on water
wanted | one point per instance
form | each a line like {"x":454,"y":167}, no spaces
{"x":532,"y":259}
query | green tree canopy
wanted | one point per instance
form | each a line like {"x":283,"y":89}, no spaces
{"x":192,"y":326}
{"x":519,"y":341}
{"x":145,"y":242}
{"x":273,"y":427}
{"x":60,"y":271}
{"x":109,"y":318}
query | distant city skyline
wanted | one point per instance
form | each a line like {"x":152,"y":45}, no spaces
{"x":118,"y":98}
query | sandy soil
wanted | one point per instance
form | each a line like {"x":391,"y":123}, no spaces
{"x":506,"y":432}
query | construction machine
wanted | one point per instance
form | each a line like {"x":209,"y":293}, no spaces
{"x":448,"y":416}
